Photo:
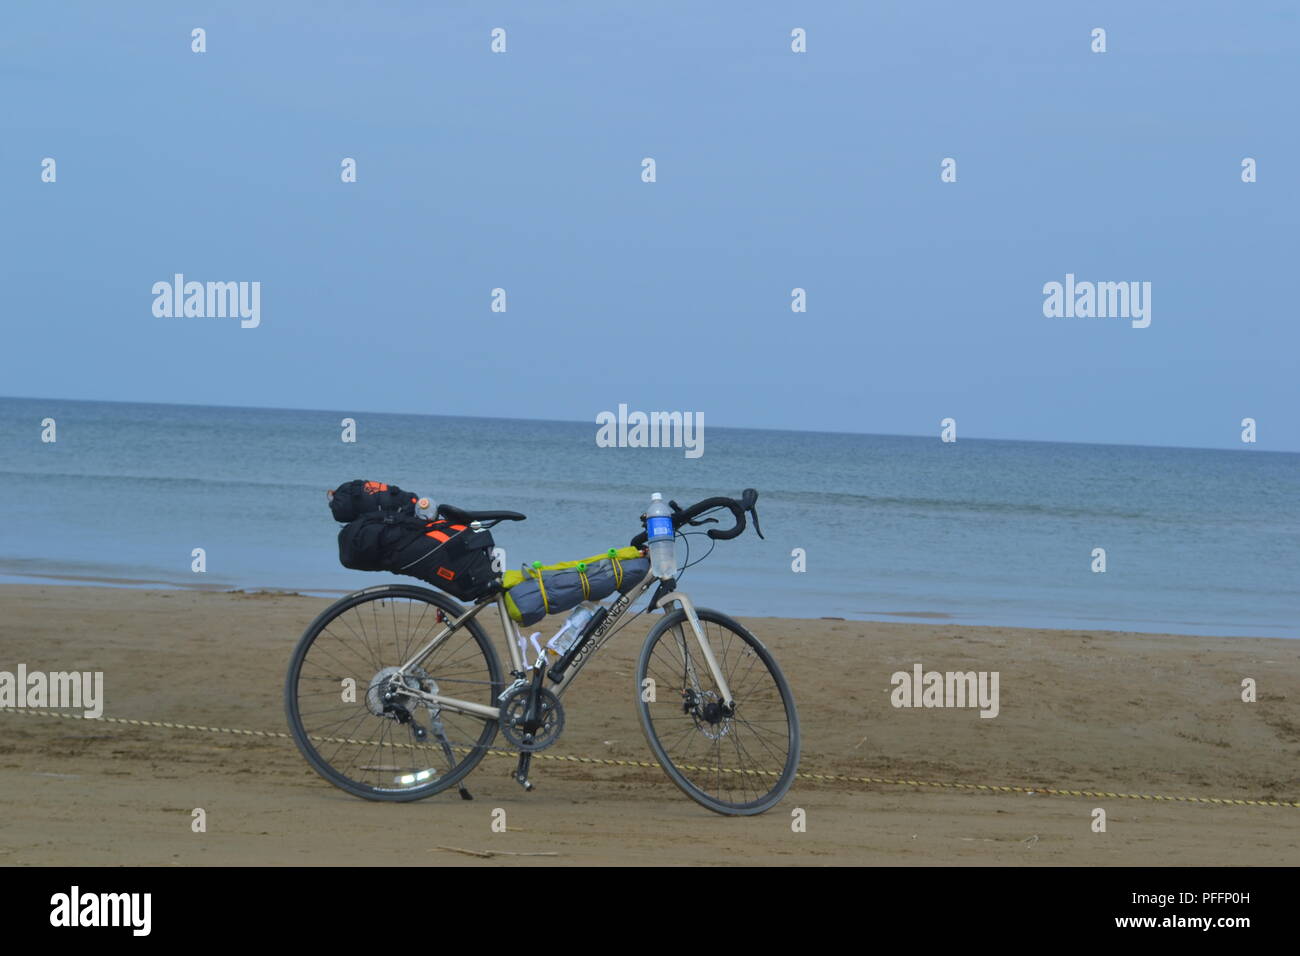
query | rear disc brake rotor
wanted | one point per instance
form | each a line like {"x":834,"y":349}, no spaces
{"x":385,"y":683}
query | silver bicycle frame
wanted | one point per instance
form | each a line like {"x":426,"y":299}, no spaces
{"x":607,"y":629}
{"x":718,"y":677}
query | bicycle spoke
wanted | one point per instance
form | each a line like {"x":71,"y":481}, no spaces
{"x":371,"y":736}
{"x":733,"y":761}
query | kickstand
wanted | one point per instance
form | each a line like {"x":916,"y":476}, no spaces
{"x":451,"y":757}
{"x":521,"y":771}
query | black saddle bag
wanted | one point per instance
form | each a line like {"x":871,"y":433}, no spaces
{"x":452,"y":557}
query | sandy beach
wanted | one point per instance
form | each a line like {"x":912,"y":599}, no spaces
{"x":1156,"y":715}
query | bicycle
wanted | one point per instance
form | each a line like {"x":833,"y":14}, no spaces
{"x":714,"y":706}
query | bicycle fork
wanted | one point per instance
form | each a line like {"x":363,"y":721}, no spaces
{"x":706,"y":651}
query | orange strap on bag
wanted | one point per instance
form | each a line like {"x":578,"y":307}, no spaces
{"x":439,"y":535}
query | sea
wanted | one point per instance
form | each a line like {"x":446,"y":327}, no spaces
{"x":856,"y":526}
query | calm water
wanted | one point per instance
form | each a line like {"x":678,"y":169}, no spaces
{"x":977,"y":532}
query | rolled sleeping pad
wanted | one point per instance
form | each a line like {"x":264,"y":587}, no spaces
{"x":537,"y":591}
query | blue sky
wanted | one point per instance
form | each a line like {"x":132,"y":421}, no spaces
{"x":775,"y":170}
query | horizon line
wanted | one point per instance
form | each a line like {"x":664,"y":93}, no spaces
{"x":568,"y":421}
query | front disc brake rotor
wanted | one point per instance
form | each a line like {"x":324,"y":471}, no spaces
{"x":711,"y":718}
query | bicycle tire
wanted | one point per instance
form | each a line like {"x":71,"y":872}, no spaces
{"x":688,"y":777}
{"x":306,"y":741}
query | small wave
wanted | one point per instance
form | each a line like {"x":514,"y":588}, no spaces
{"x":968,"y":505}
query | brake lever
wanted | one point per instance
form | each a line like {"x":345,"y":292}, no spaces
{"x":678,"y":509}
{"x":753,"y":513}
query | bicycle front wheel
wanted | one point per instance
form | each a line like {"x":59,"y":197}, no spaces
{"x":736,"y":761}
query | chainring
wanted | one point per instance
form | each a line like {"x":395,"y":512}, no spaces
{"x":512,"y":713}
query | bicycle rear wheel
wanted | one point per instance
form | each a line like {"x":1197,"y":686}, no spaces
{"x":738,"y":763}
{"x":345,"y":701}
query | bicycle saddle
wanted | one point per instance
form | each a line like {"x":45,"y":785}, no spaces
{"x":465,"y":517}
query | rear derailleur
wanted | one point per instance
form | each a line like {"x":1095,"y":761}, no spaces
{"x":389,"y":696}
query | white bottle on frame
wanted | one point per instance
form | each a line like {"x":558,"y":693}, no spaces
{"x":660,"y":538}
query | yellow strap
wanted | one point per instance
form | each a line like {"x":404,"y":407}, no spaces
{"x":618,"y":570}
{"x":586,"y":584}
{"x":541,"y":587}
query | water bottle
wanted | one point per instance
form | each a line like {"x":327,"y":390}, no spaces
{"x":659,"y":535}
{"x":573,"y":626}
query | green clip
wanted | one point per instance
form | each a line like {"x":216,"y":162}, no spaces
{"x":537,"y":564}
{"x":582,"y":565}
{"x":612,"y":552}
